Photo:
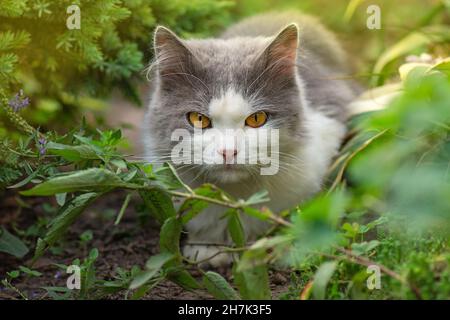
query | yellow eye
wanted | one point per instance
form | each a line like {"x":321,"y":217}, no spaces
{"x":199,"y":120}
{"x":257,"y":119}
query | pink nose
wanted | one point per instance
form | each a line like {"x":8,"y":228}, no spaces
{"x":227,"y":154}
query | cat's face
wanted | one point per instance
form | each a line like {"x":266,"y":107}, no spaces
{"x":235,"y":94}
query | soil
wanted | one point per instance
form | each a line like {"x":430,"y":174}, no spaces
{"x":129,"y":243}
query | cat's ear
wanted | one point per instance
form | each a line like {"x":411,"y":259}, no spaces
{"x":281,"y":53}
{"x":172,"y":55}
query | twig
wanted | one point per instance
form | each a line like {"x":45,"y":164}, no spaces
{"x":233,"y":205}
{"x":351,"y":156}
{"x":7,"y":284}
{"x":211,"y":200}
{"x":351,"y":257}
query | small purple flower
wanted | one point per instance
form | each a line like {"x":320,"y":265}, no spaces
{"x":19,"y":101}
{"x":42,"y":149}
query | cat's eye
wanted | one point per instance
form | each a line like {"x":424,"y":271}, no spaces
{"x":257,"y":119}
{"x":198,"y":120}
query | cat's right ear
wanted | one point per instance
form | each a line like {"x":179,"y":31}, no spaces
{"x":172,"y":55}
{"x":281,"y":53}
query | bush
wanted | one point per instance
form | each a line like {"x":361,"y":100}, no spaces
{"x":67,"y":71}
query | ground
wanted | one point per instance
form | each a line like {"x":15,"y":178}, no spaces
{"x":130,"y":243}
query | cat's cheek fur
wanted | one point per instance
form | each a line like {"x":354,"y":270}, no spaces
{"x":321,"y":142}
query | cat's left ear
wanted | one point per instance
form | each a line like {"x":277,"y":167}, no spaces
{"x":282,"y":51}
{"x":172,"y":54}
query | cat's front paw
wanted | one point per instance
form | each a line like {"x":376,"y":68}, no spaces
{"x":208,"y":256}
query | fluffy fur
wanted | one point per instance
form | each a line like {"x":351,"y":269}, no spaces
{"x":286,"y":64}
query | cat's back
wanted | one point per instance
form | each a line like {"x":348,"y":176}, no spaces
{"x":314,"y":37}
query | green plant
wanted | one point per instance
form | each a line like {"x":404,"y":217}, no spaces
{"x":386,"y":203}
{"x":67,"y":71}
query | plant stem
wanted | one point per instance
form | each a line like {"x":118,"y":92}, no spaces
{"x":7,"y":284}
{"x":211,"y":200}
{"x":233,"y":205}
{"x":351,"y":257}
{"x":344,"y":166}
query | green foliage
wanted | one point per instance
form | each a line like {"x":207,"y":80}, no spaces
{"x":65,"y":71}
{"x":415,"y":125}
{"x":321,"y":279}
{"x":11,"y":244}
{"x":219,"y":287}
{"x":386,"y":203}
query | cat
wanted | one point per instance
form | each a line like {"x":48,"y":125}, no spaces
{"x":276,"y":70}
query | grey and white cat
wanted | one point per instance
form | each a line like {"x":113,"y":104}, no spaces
{"x":283,"y":64}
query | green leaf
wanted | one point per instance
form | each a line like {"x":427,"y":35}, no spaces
{"x":94,"y":179}
{"x":30,"y":272}
{"x":183,"y":279}
{"x":321,"y":279}
{"x":256,"y":213}
{"x":253,"y":283}
{"x":119,"y":163}
{"x":442,"y":66}
{"x":416,"y":39}
{"x":122,"y":209}
{"x":364,"y":247}
{"x":28,"y":178}
{"x":192,"y":207}
{"x":351,"y":8}
{"x":14,"y":274}
{"x":61,"y":198}
{"x":72,"y":153}
{"x":11,"y":244}
{"x":219,"y":287}
{"x":159,"y":203}
{"x":168,"y":178}
{"x":259,"y":197}
{"x":169,"y":239}
{"x":66,"y":216}
{"x":235,"y":228}
{"x":153,"y":266}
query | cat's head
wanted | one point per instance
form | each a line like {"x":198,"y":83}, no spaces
{"x":232,"y":86}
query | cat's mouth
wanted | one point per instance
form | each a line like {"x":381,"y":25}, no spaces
{"x":229,"y":173}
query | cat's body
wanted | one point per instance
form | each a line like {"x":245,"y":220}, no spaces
{"x":291,"y":76}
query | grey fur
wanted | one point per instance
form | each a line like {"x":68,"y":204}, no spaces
{"x":192,"y":72}
{"x":322,"y":63}
{"x":286,"y":64}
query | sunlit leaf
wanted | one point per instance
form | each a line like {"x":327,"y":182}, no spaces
{"x":152,"y":267}
{"x":253,"y":283}
{"x":321,"y":279}
{"x":94,"y":179}
{"x":414,"y":40}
